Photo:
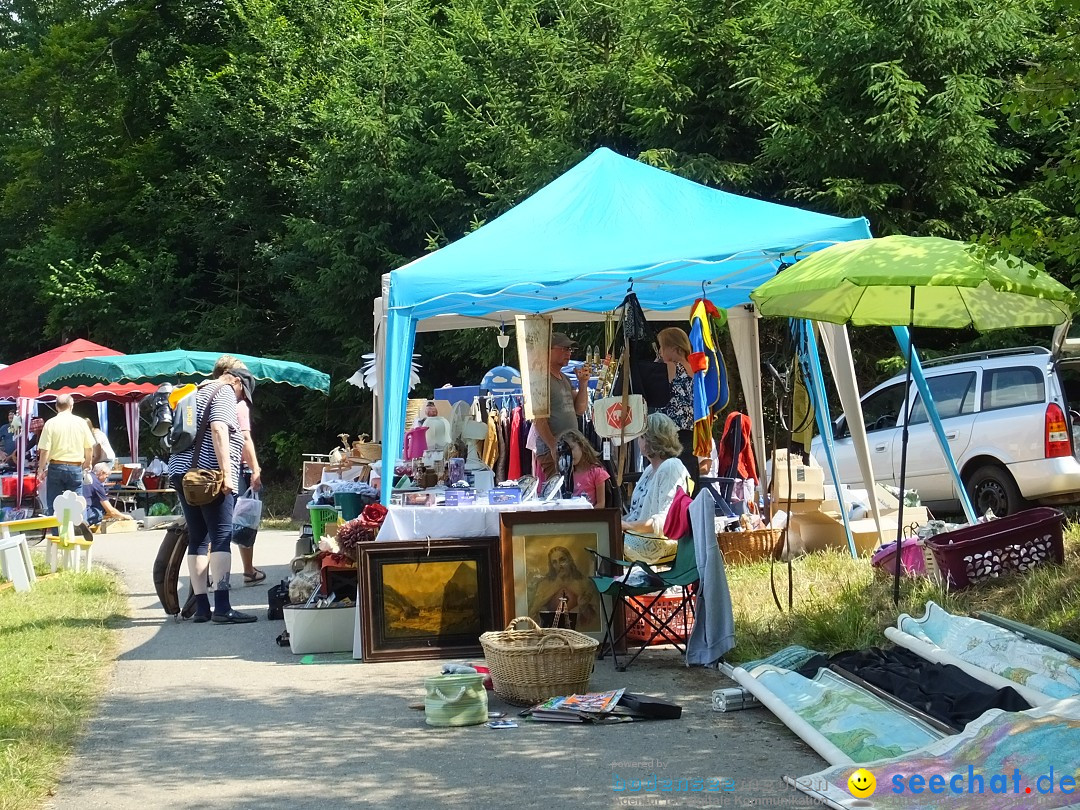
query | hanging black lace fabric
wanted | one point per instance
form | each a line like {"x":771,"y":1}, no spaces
{"x":634,"y":324}
{"x":648,"y":376}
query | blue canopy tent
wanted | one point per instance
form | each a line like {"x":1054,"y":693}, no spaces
{"x":607,"y":224}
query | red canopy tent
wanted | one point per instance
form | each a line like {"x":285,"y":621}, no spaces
{"x":21,"y":379}
{"x":19,"y":382}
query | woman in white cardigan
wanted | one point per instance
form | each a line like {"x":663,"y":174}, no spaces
{"x":644,"y":524}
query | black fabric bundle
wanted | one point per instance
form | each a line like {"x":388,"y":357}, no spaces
{"x":943,"y":691}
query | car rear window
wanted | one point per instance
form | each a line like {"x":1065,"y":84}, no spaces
{"x":953,"y":394}
{"x":1010,"y":387}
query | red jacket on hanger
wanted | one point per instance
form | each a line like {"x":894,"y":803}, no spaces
{"x":734,"y":451}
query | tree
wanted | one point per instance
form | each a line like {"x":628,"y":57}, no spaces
{"x":1043,"y":105}
{"x":886,"y":108}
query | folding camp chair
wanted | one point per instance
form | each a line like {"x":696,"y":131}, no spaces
{"x":722,"y":490}
{"x":682,"y":574}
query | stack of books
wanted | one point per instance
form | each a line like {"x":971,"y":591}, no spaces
{"x":592,"y":707}
{"x":616,"y":706}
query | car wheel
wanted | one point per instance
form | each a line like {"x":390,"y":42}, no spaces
{"x":992,"y":487}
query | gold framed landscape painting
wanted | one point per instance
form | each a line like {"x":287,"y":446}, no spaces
{"x":428,"y":599}
{"x":546,"y":557}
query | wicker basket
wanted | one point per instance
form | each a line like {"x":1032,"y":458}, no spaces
{"x":367,"y":451}
{"x":530,"y":666}
{"x":749,"y":546}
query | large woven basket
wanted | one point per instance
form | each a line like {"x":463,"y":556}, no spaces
{"x":367,"y":451}
{"x":749,"y":546}
{"x":532,"y":665}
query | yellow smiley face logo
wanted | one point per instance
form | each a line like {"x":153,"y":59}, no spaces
{"x":862,"y":783}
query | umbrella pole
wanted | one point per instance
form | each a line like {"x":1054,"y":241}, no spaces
{"x":903,"y":457}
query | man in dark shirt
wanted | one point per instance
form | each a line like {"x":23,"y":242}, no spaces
{"x":97,"y":499}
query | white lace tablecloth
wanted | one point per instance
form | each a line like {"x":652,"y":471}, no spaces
{"x":476,"y":520}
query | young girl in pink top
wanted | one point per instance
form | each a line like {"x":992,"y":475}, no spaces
{"x":589,"y":473}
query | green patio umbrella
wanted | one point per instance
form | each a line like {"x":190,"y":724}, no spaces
{"x":176,"y":366}
{"x":915,"y":281}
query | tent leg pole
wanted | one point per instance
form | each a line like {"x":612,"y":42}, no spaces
{"x":898,"y":549}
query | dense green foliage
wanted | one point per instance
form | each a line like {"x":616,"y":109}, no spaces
{"x":236,"y":175}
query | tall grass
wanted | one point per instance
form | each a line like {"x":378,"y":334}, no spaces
{"x":56,"y":647}
{"x":839,"y":603}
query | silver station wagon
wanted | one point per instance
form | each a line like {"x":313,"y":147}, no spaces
{"x":1007,"y":419}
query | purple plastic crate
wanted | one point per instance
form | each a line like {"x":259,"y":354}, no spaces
{"x":989,"y":550}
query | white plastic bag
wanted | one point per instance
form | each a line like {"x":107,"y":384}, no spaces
{"x":247,"y":514}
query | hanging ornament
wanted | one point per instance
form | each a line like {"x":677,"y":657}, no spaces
{"x":367,"y":376}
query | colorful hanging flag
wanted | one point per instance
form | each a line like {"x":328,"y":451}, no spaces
{"x":710,"y":377}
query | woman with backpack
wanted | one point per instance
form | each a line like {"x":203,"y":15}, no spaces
{"x":217,"y":447}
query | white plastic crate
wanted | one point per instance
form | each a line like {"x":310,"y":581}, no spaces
{"x":320,"y":630}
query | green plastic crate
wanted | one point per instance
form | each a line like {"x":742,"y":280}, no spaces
{"x":322,"y":516}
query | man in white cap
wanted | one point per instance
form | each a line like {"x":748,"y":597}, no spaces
{"x":564,"y":404}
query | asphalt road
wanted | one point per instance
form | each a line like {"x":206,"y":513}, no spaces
{"x":218,"y":716}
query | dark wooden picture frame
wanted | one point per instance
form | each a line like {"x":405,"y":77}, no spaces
{"x":544,"y":556}
{"x":429,"y":598}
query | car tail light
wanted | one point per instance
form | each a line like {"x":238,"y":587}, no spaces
{"x":1057,"y":433}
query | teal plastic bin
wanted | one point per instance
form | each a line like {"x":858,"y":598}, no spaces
{"x":351,"y":504}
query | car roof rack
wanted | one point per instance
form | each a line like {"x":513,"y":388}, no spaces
{"x":959,"y":358}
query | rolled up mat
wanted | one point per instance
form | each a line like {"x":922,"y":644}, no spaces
{"x":170,"y":557}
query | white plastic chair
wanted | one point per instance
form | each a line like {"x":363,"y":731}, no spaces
{"x":67,"y":549}
{"x":15,"y":561}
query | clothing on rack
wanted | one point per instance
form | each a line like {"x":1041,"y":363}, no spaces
{"x":515,"y":469}
{"x":502,"y":465}
{"x":491,"y":443}
{"x":525,"y":452}
{"x":734,"y":452}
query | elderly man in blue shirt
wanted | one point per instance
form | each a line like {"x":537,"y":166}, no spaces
{"x":98,"y":506}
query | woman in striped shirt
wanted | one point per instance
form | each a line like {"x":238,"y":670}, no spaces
{"x":210,"y":526}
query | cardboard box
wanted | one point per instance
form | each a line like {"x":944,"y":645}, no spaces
{"x":500,"y":495}
{"x":118,"y":525}
{"x":797,"y":507}
{"x":458,"y":496}
{"x":419,"y":498}
{"x":320,"y":630}
{"x":815,"y":531}
{"x":807,"y":481}
{"x":865,"y":534}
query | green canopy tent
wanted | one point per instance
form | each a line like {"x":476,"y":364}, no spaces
{"x":177,"y":366}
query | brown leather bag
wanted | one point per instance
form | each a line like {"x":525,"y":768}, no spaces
{"x":203,"y":487}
